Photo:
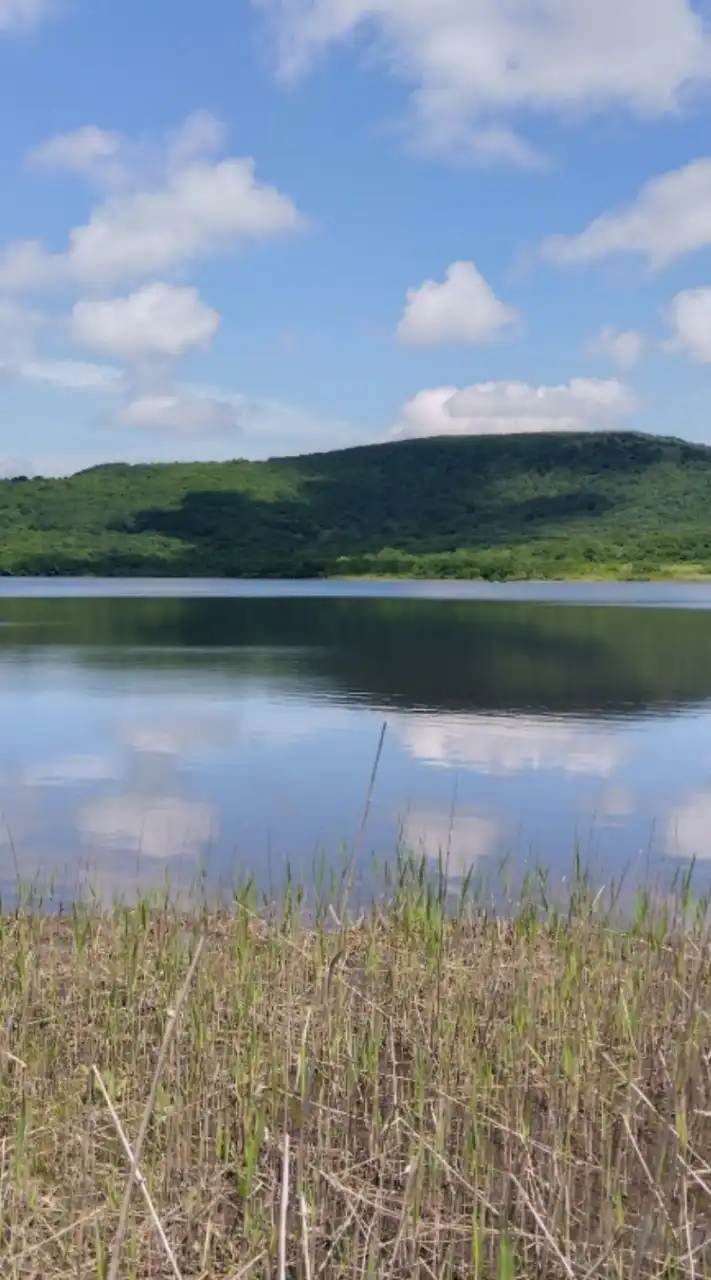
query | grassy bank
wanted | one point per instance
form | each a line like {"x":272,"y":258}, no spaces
{"x":459,"y":1097}
{"x":627,"y":572}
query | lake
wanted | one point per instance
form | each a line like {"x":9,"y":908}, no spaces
{"x":220,"y":729}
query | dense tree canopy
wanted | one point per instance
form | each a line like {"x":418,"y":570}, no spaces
{"x":539,"y":506}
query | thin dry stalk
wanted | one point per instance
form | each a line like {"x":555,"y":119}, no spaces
{"x":173,"y":1015}
{"x":249,"y":1266}
{"x":305,"y":1249}
{"x":283,"y":1207}
{"x":565,"y":1262}
{"x":138,"y":1176}
{"x":33,"y":1249}
{"x":348,"y":882}
{"x":404,"y":1217}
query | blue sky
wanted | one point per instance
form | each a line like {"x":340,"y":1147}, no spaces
{"x":248,"y":229}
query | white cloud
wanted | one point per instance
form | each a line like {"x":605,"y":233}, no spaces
{"x":78,"y":152}
{"x":204,"y":209}
{"x":201,"y":134}
{"x":76,"y":375}
{"x":690,"y":321}
{"x":483,"y":146}
{"x":501,"y":745}
{"x":624,"y":347}
{"x":282,"y":429}
{"x":15,"y":14}
{"x":265,"y":427}
{"x":463,"y":308}
{"x":467,"y":837}
{"x":157,"y":827}
{"x":182,"y":411}
{"x":110,"y":160}
{"x":23,"y":265}
{"x":158,"y":319}
{"x":286,"y":429}
{"x":189,"y":209}
{"x":18,"y":330}
{"x":670,"y":216}
{"x":473,"y":64}
{"x":507,"y":408}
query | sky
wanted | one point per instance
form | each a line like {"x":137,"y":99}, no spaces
{"x":252,"y":228}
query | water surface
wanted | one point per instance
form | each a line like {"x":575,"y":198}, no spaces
{"x":230,"y":728}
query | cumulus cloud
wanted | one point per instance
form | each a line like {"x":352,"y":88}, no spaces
{"x":79,"y":152}
{"x":623,"y":347}
{"x":109,"y":159}
{"x":502,"y":745}
{"x":265,"y":427}
{"x":276,"y":428}
{"x":23,"y":266}
{"x":509,"y":408}
{"x":474,"y":64}
{"x":286,"y":429}
{"x":158,"y":319}
{"x":190,"y":208}
{"x":182,"y":411}
{"x":163,"y":204}
{"x":18,"y":331}
{"x":75,"y":375}
{"x":690,"y":322}
{"x":15,"y":14}
{"x":670,"y":216}
{"x":462,"y":308}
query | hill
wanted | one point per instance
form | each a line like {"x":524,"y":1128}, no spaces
{"x":539,"y":506}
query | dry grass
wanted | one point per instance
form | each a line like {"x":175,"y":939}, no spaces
{"x":419,"y":1094}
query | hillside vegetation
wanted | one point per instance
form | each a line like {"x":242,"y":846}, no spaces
{"x":542,"y":506}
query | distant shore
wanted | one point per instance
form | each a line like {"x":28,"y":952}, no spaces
{"x":570,"y":506}
{"x":669,"y":573}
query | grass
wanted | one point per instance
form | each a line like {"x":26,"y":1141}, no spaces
{"x":423,"y":1092}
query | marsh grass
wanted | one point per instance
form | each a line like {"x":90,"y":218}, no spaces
{"x":428,"y":1091}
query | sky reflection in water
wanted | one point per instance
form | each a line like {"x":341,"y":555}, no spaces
{"x":154,"y":735}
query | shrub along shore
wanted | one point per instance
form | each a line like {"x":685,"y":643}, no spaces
{"x":423,"y":1092}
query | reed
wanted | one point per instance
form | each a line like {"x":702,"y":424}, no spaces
{"x":430,"y":1090}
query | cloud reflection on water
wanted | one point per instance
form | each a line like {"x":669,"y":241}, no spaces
{"x":508,"y":744}
{"x":160,"y":826}
{"x":460,"y":839}
{"x":688,"y":832}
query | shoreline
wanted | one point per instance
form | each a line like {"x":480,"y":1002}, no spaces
{"x":675,"y":574}
{"x":303,"y":585}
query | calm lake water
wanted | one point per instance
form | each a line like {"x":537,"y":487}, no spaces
{"x":153,"y":728}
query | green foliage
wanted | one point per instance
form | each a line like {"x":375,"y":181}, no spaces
{"x":615,"y":505}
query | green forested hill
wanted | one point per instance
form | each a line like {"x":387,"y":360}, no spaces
{"x":613,"y":504}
